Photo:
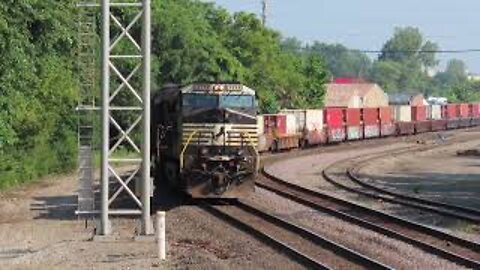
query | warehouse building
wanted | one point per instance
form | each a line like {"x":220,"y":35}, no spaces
{"x":407,"y":99}
{"x":355,"y":95}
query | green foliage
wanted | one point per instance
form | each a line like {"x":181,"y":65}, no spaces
{"x":192,"y":41}
{"x":341,"y":61}
{"x":196,"y":41}
{"x":464,"y":91}
{"x":406,"y":45}
{"x":37,"y":89}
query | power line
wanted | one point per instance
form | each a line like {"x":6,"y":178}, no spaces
{"x":459,"y":51}
{"x":463,"y":51}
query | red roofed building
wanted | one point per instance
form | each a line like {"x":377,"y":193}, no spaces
{"x":349,"y":80}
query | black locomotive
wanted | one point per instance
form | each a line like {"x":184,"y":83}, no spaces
{"x":204,"y":139}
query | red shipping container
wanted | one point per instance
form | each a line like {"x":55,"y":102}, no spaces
{"x":333,"y":117}
{"x":353,"y":117}
{"x":385,"y":115}
{"x":444,"y":112}
{"x":370,"y":116}
{"x":475,"y":109}
{"x":419,"y":113}
{"x":275,"y":123}
{"x":451,"y":111}
{"x":463,"y":110}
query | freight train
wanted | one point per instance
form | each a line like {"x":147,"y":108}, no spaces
{"x":299,"y":128}
{"x":204,"y":139}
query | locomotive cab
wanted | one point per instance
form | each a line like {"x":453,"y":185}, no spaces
{"x":208,"y":148}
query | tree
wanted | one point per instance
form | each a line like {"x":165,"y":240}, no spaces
{"x":341,"y":61}
{"x":404,"y":62}
{"x":408,"y":44}
{"x":387,"y":74}
{"x":316,"y":78}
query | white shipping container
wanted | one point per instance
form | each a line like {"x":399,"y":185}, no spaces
{"x":436,"y":112}
{"x":402,"y":113}
{"x":299,"y":118}
{"x":429,"y":112}
{"x":260,"y":124}
{"x":291,"y":124}
{"x":314,"y":120}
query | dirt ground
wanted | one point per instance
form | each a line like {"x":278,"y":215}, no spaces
{"x":38,"y":230}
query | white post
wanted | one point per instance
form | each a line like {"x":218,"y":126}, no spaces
{"x":160,"y":235}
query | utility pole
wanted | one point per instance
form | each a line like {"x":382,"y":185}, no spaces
{"x":264,"y":12}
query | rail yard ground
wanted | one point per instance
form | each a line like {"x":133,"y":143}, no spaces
{"x":38,"y":228}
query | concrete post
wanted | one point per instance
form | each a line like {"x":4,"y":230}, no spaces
{"x":160,"y":236}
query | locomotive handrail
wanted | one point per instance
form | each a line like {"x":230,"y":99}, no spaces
{"x":250,"y":140}
{"x":185,"y":147}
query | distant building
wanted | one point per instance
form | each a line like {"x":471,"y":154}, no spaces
{"x":355,"y":95}
{"x":407,"y":99}
{"x":437,"y":100}
{"x":473,"y":77}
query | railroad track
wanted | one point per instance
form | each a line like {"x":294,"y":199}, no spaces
{"x":447,"y":246}
{"x":465,"y":213}
{"x":302,"y":245}
{"x":347,"y":178}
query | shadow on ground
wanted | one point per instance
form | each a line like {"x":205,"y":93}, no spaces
{"x":64,"y":207}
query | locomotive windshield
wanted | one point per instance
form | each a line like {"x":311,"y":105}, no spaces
{"x":218,"y":101}
{"x":232,"y":101}
{"x":200,"y":101}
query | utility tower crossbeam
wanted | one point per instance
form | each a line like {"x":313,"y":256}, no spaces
{"x":119,"y":54}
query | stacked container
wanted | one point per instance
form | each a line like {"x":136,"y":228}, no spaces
{"x":279,"y":132}
{"x":315,"y":132}
{"x":402,"y":115}
{"x":464,"y":113}
{"x":475,"y":112}
{"x":451,"y":113}
{"x":335,"y":126}
{"x":275,"y":124}
{"x":354,"y":126}
{"x":419,"y":116}
{"x":262,"y":139}
{"x":371,"y":123}
{"x":309,"y":124}
{"x":435,"y":112}
{"x":387,"y":128}
{"x":436,"y":117}
{"x":291,"y":125}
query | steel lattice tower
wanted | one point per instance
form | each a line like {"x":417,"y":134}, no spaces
{"x":125,"y":110}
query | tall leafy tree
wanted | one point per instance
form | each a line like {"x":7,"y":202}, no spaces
{"x":341,"y":61}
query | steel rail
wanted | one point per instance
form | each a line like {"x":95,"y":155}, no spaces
{"x":270,"y":240}
{"x":395,"y":200}
{"x":422,"y":204}
{"x":469,"y":214}
{"x":354,"y":213}
{"x":306,"y":260}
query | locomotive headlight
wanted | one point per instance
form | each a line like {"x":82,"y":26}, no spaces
{"x":204,"y":151}
{"x":240,"y":152}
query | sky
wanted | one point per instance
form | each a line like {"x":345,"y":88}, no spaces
{"x":367,"y":24}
